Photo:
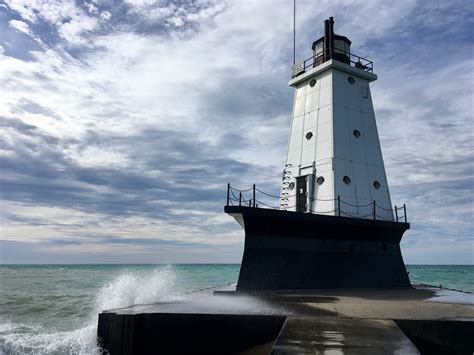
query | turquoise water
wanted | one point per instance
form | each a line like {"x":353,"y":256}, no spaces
{"x":458,"y":277}
{"x":52,"y":309}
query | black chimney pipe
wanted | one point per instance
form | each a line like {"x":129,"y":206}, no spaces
{"x":331,"y":36}
{"x":326,"y":41}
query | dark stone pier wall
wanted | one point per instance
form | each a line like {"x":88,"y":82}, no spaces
{"x":298,"y":251}
{"x":185,"y":333}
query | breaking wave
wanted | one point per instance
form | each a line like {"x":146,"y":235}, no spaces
{"x":125,"y":290}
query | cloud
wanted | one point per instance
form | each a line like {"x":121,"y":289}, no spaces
{"x":120,"y":133}
{"x":105,"y":15}
{"x":20,"y":26}
{"x":23,"y":27}
{"x":176,"y":15}
{"x":68,"y":19}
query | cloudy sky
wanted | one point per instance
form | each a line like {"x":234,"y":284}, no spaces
{"x":123,"y":121}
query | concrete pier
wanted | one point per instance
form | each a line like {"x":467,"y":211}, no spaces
{"x":389,"y":321}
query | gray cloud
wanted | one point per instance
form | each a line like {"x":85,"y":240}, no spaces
{"x":188,"y":172}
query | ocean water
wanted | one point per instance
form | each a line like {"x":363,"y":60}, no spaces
{"x":457,"y":277}
{"x":52,"y":309}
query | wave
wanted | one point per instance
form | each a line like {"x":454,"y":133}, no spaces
{"x":125,"y":290}
{"x":23,"y":339}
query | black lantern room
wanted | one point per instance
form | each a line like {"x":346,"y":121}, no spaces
{"x":331,"y":46}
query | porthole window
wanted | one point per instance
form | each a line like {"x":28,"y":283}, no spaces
{"x":312,"y":82}
{"x":377,"y":185}
{"x":351,"y":80}
{"x":347,"y":180}
{"x":291,"y":185}
{"x":320,"y":180}
{"x":356,"y":133}
{"x":309,"y":135}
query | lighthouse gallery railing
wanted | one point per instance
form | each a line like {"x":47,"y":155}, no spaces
{"x":237,"y":197}
{"x":347,"y":57}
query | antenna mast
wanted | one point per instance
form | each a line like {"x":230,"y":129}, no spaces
{"x":294,"y":32}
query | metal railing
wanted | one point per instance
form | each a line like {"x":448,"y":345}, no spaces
{"x":337,"y":54}
{"x":251,"y":197}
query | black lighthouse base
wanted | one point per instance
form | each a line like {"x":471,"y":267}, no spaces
{"x":299,"y":251}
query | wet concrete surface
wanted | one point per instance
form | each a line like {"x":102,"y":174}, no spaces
{"x":342,"y":336}
{"x":416,"y":303}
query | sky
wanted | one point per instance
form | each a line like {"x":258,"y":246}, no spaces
{"x":123,"y":121}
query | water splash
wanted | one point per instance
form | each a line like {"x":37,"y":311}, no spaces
{"x":125,"y":290}
{"x":131,"y":289}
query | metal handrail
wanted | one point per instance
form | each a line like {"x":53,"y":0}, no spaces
{"x":317,"y":59}
{"x":254,"y":202}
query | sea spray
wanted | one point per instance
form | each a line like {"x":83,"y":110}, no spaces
{"x":126,"y":289}
{"x":131,"y":289}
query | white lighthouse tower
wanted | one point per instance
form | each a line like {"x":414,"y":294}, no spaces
{"x":334,"y":228}
{"x":334,"y":164}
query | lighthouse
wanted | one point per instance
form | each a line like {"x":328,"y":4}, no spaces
{"x":334,"y":225}
{"x":334,"y":155}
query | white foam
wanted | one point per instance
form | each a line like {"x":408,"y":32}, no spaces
{"x":19,"y":339}
{"x":126,"y":290}
{"x":451,"y":296}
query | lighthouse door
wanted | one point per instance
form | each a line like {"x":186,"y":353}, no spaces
{"x":301,"y":194}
